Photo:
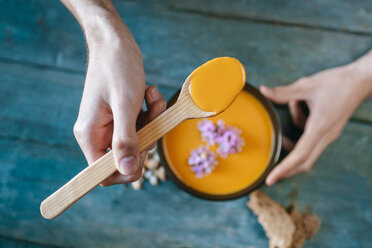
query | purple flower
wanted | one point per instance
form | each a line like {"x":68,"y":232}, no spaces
{"x":229,"y":142}
{"x":202,"y":161}
{"x":226,"y":137}
{"x":210,"y":132}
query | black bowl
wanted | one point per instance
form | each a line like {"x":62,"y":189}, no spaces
{"x":276,"y":148}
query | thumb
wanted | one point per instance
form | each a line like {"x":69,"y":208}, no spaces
{"x":281,"y":94}
{"x":125,"y":140}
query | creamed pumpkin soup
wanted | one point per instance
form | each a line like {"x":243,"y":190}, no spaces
{"x":237,"y":171}
{"x":215,"y":84}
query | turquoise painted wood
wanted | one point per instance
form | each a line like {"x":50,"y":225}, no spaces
{"x":332,"y":15}
{"x":338,"y":191}
{"x":42,"y":66}
{"x":42,"y":105}
{"x":52,"y":119}
{"x":11,"y":243}
{"x":33,"y":35}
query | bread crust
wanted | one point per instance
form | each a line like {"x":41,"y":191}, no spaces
{"x":285,"y":229}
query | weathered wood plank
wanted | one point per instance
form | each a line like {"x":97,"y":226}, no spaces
{"x":42,"y":105}
{"x":38,"y":152}
{"x":174,"y":43}
{"x":153,"y":217}
{"x":335,"y":15}
{"x":15,"y":243}
{"x":338,"y":189}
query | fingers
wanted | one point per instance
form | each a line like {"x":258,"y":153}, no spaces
{"x":297,"y":114}
{"x":306,"y":166}
{"x":299,"y":156}
{"x":288,"y":144}
{"x":92,"y":140}
{"x":282,"y":94}
{"x":155,"y":103}
{"x":125,"y":140}
{"x":156,"y":109}
{"x":119,"y":178}
{"x":93,"y":128}
{"x":124,"y":137}
{"x":152,"y":95}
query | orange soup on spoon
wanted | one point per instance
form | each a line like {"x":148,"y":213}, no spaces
{"x":216,"y":84}
{"x":212,"y":89}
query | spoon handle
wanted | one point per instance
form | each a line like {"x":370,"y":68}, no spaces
{"x":78,"y":186}
{"x":104,"y":167}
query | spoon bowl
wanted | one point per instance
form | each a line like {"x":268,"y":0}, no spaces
{"x":184,"y":108}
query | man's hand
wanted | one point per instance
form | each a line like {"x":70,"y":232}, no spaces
{"x":332,"y":96}
{"x":110,"y":110}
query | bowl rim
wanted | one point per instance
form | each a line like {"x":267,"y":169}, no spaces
{"x":273,"y":160}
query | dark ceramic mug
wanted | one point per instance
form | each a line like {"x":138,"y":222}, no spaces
{"x":275,"y":152}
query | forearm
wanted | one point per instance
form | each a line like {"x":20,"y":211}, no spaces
{"x":114,"y":55}
{"x":361,"y":70}
{"x":99,"y":20}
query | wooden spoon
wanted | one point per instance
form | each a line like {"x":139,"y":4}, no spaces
{"x":104,"y":167}
{"x":183,"y":109}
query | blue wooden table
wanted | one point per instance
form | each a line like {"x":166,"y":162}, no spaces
{"x":42,"y":66}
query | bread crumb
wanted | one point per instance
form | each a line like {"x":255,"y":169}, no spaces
{"x":277,"y":223}
{"x":285,"y":229}
{"x":306,"y":226}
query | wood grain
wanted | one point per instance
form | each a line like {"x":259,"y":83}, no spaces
{"x":104,"y":167}
{"x":273,"y":54}
{"x":332,"y":15}
{"x":42,"y":66}
{"x":337,"y":189}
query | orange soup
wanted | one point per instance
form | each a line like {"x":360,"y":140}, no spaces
{"x":215,"y":84}
{"x":236,"y":172}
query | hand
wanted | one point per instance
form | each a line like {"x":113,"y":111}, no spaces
{"x":92,"y":139}
{"x":110,"y":110}
{"x":331,"y":96}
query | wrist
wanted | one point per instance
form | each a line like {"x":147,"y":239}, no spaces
{"x":103,"y":28}
{"x":361,"y":73}
{"x":102,"y":25}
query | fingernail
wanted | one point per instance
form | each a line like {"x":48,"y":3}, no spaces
{"x":154,"y":89}
{"x":143,"y":156}
{"x":154,"y":93}
{"x":264,"y":88}
{"x":163,"y":104}
{"x":269,"y":182}
{"x":128,"y":165}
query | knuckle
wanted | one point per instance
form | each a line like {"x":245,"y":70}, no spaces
{"x":135,"y":177}
{"x":320,"y":127}
{"x":301,"y":158}
{"x":334,"y":135}
{"x":303,"y":80}
{"x":82,"y":130}
{"x":123,"y":143}
{"x":277,"y":90}
{"x":332,"y":138}
{"x":301,"y":84}
{"x":78,"y":130}
{"x":292,"y":105}
{"x":104,"y":184}
{"x":305,"y":169}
